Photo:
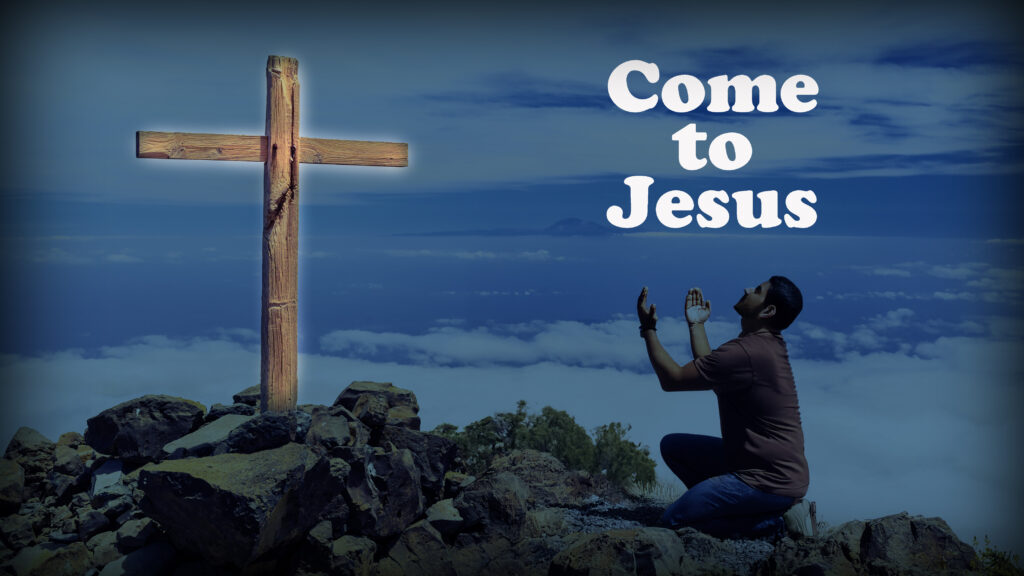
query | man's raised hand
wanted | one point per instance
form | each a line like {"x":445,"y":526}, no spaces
{"x":697,"y":308}
{"x":648,"y":316}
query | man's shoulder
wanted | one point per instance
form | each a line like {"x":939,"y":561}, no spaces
{"x":761,"y":342}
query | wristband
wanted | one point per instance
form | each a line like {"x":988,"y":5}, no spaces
{"x":647,"y":327}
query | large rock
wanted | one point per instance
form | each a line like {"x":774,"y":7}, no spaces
{"x":896,"y":544}
{"x":337,"y":432}
{"x":384,"y":492}
{"x":250,"y":396}
{"x":205,"y":440}
{"x":323,"y":554}
{"x":496,"y":503}
{"x":653,"y":551}
{"x":402,"y":407}
{"x":12,"y":486}
{"x":17,"y":531}
{"x":420,"y":551}
{"x":218,"y":410}
{"x":106,"y":483}
{"x":136,"y":431}
{"x":34,"y":453}
{"x":50,"y":559}
{"x":551,"y":483}
{"x":157,"y":559}
{"x":265,"y":431}
{"x":232,"y":509}
{"x":433,"y":454}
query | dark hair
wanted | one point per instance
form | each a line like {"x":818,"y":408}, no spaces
{"x":787,"y":300}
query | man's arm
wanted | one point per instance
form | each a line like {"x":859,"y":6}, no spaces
{"x":673,"y":377}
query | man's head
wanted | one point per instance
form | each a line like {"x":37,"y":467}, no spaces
{"x":774,"y":304}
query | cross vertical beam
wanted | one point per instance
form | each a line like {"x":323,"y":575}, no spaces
{"x":279,"y":313}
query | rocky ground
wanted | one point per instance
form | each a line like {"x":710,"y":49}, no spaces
{"x":161,"y":486}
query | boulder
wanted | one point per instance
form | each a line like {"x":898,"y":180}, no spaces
{"x":551,"y":483}
{"x":205,"y":440}
{"x":34,"y":453}
{"x":433,"y":455}
{"x":352,"y":555}
{"x":383,"y":488}
{"x":336,"y":511}
{"x":235,"y":508}
{"x":654,"y":551}
{"x":456,"y":482}
{"x":91,"y":522}
{"x":67,"y":474}
{"x":71,"y":440}
{"x":218,"y":410}
{"x":104,"y":548}
{"x":12,"y":486}
{"x":52,"y":559}
{"x":106,"y":483}
{"x":264,"y":431}
{"x":496,"y":503}
{"x":136,"y":431}
{"x":419,"y":551}
{"x":372,"y":410}
{"x":136,"y":533}
{"x":895,"y":544}
{"x":37,"y":514}
{"x":250,"y":396}
{"x":902,"y":540}
{"x":67,"y":461}
{"x":337,"y":432}
{"x":16,"y":531}
{"x":63,"y":520}
{"x":402,"y":407}
{"x":315,"y":555}
{"x":157,"y":559}
{"x":444,"y":517}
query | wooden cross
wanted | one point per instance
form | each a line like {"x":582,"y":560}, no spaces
{"x":281,"y":151}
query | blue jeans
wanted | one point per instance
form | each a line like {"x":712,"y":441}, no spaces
{"x":716,"y":502}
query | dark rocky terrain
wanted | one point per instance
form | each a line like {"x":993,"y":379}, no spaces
{"x":161,"y":486}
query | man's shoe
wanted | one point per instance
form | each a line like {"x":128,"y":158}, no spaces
{"x":801,"y":521}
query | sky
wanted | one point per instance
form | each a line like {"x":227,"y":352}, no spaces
{"x":487,"y":271}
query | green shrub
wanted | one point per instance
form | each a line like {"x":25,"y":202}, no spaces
{"x":994,"y":562}
{"x":623,"y":462}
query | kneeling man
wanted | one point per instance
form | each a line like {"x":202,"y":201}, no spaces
{"x":739,"y":485}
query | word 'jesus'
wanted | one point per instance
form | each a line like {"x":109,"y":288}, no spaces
{"x":684,"y":93}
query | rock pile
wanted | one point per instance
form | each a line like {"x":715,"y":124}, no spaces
{"x":160,"y":486}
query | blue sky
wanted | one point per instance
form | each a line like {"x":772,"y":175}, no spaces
{"x":454,"y":278}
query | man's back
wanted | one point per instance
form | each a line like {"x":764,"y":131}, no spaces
{"x":760,"y":415}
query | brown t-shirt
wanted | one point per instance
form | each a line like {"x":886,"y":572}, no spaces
{"x":760,"y":416}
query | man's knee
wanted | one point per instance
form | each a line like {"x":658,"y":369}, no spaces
{"x":670,"y":444}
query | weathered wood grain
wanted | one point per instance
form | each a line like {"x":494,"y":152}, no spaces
{"x":279,"y":317}
{"x":237,"y":148}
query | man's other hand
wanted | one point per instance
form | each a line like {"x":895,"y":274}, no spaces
{"x":648,"y":315}
{"x":697,"y":308}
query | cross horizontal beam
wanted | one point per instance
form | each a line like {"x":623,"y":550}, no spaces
{"x":190,"y":146}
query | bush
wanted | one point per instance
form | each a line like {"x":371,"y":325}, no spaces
{"x":994,"y":562}
{"x":622,"y":461}
{"x":554,"y":431}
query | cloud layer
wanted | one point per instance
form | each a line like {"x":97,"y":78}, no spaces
{"x":928,"y":427}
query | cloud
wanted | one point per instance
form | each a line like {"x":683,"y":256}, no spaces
{"x":540,"y":255}
{"x":564,"y":342}
{"x":969,"y":55}
{"x":123,"y":259}
{"x":965,"y":281}
{"x":885,"y":430}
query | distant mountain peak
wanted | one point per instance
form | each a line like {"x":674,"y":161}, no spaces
{"x":579,"y":227}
